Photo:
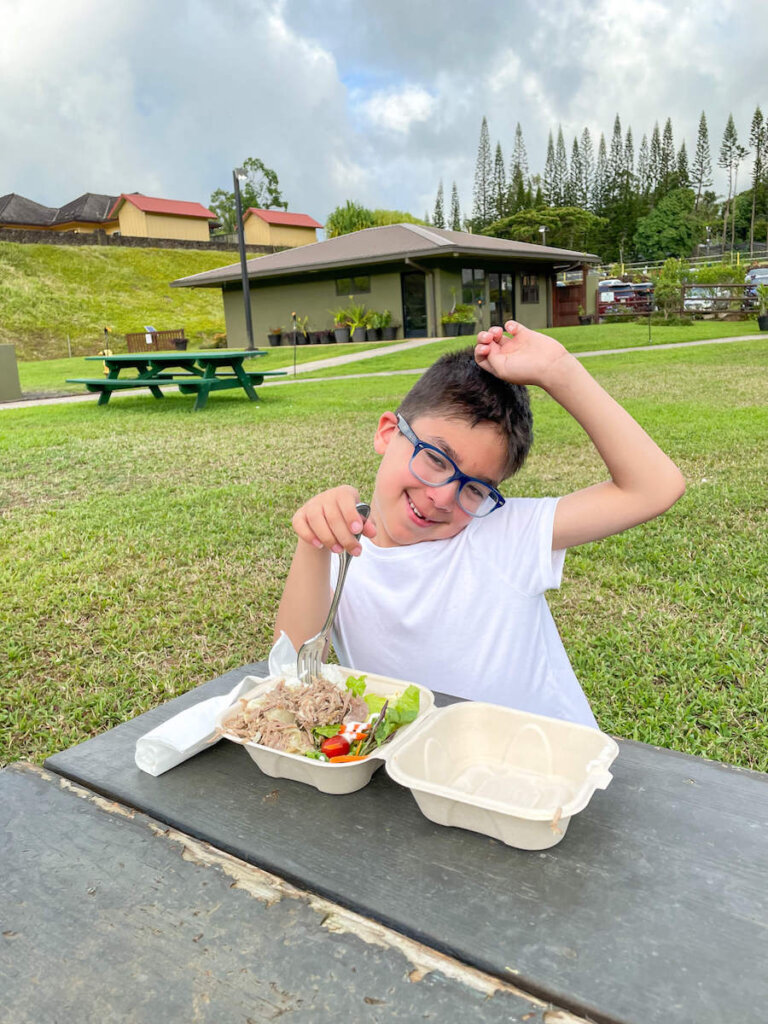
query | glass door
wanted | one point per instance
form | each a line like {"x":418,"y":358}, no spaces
{"x":414,"y":292}
{"x":501,"y":291}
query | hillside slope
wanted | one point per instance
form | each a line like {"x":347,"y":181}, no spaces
{"x":51,"y":292}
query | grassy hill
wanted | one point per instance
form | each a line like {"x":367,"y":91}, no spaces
{"x":51,"y":292}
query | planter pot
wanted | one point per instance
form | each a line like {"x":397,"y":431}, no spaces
{"x":585,"y":320}
{"x":467,"y":328}
{"x":341,"y":334}
{"x":316,"y":337}
{"x":358,"y":334}
{"x":274,"y":339}
{"x":180,"y":344}
{"x":451,"y":330}
{"x":762,"y":322}
{"x":327,"y":338}
{"x":373,"y":334}
{"x":389,"y":333}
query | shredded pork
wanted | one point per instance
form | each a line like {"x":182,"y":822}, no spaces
{"x":284,"y":717}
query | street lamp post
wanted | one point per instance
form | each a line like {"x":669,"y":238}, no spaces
{"x":543,"y":233}
{"x":239,"y":175}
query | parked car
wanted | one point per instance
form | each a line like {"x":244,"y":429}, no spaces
{"x":614,"y":297}
{"x":642,"y":300}
{"x":753,"y":278}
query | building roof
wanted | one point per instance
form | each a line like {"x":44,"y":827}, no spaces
{"x":294,"y":220}
{"x":15,"y":209}
{"x":150,"y":204}
{"x":389,"y":244}
{"x":90,"y":206}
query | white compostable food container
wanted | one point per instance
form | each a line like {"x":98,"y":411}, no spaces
{"x":328,"y":778}
{"x":508,"y":774}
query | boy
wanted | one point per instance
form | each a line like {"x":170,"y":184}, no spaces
{"x":448,"y":589}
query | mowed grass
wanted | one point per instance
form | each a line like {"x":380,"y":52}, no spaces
{"x":143,"y":549}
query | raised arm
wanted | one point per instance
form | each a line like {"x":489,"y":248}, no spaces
{"x":328,"y":522}
{"x":644,"y":482}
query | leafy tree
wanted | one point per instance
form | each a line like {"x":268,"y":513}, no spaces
{"x":438,"y":217}
{"x":455,"y":218}
{"x":670,"y":229}
{"x":483,"y":190}
{"x":499,"y":197}
{"x":701,"y":168}
{"x":260,"y":190}
{"x":348,"y":218}
{"x":668,"y":285}
{"x":568,"y":227}
{"x":383,"y":217}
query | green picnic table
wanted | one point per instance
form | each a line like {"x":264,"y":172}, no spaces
{"x":196,"y":373}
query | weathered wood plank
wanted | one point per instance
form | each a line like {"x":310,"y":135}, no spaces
{"x":654,"y":908}
{"x":109,"y":916}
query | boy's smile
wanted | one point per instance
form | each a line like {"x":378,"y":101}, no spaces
{"x":407,"y":511}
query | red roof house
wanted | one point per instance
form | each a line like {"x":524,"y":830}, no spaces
{"x":149,"y":217}
{"x":276,"y":227}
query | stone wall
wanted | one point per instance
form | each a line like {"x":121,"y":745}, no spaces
{"x":29,"y":237}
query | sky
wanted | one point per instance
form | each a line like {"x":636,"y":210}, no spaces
{"x":370,"y":100}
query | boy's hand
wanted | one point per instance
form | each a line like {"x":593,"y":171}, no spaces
{"x":521,"y":356}
{"x":330,"y":520}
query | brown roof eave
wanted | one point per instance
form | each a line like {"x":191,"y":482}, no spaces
{"x":555,"y":257}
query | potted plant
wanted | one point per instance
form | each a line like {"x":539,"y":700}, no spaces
{"x":388,"y":329}
{"x":274,"y":336}
{"x":373,"y":327}
{"x":341,"y":332}
{"x":450,"y":324}
{"x":465,"y":316}
{"x":358,"y":321}
{"x":762,"y":307}
{"x":584,"y":317}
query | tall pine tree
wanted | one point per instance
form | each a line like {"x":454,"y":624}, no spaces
{"x":668,"y":163}
{"x":758,"y":140}
{"x":727,"y":160}
{"x":575,"y":194}
{"x":519,"y":193}
{"x":561,"y":169}
{"x":549,"y":185}
{"x":701,"y":168}
{"x":601,"y":177}
{"x":587,"y":152}
{"x":654,"y":160}
{"x":482,"y":194}
{"x":683,"y":173}
{"x":438,"y":217}
{"x":499,"y":185}
{"x":455,"y":216}
{"x":643,"y":168}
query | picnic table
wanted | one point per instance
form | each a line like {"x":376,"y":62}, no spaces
{"x":214,"y":892}
{"x":196,"y":373}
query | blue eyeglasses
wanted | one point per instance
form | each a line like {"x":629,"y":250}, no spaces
{"x":433,"y":467}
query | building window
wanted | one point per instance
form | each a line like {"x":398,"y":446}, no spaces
{"x":352,"y":285}
{"x":472,"y":286}
{"x":529,"y":288}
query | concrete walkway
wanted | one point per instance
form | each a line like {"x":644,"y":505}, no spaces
{"x":354,"y":357}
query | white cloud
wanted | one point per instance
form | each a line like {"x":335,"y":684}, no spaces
{"x":398,"y":110}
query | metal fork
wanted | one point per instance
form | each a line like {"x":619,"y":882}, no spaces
{"x":310,"y":657}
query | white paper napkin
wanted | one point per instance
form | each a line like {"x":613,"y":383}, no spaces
{"x":194,"y":729}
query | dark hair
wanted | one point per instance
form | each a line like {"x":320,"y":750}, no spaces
{"x":456,"y":386}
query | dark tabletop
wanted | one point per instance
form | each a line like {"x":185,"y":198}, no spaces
{"x":653,"y":908}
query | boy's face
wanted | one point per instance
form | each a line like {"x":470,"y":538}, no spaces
{"x":407,"y":511}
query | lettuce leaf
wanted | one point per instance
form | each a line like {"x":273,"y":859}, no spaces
{"x":400,"y":712}
{"x":326,"y":730}
{"x":356,"y":685}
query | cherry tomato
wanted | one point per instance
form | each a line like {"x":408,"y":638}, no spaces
{"x":335,"y":746}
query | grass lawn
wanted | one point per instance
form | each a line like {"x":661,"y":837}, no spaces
{"x":143,"y":549}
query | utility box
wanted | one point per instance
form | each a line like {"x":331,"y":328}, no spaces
{"x":10,"y":389}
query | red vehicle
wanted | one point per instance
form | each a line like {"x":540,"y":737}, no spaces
{"x":642,"y":300}
{"x":615,"y":297}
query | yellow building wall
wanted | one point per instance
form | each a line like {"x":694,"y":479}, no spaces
{"x":136,"y":223}
{"x":258,"y":232}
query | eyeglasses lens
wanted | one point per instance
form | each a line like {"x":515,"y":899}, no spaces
{"x":431,"y":468}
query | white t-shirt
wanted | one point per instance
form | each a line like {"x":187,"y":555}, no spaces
{"x":466,"y":616}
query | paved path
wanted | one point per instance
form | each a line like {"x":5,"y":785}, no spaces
{"x":353,"y":357}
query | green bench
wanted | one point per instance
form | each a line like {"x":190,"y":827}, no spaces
{"x":187,"y":382}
